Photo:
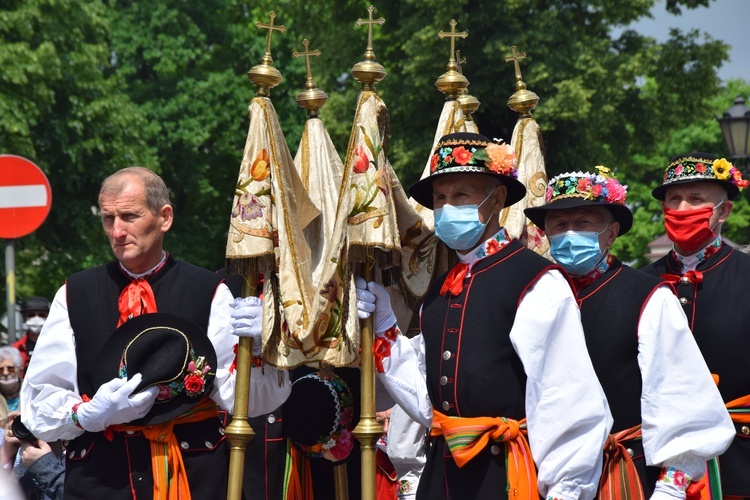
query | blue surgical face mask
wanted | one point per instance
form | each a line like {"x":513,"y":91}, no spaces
{"x":578,"y":252}
{"x":459,"y":227}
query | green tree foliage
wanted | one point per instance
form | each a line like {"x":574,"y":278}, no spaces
{"x":90,"y":87}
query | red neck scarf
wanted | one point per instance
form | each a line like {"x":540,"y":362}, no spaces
{"x":138,"y":298}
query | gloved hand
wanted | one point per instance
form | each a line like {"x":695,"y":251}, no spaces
{"x":114,"y":403}
{"x":247,"y":320}
{"x":664,"y":491}
{"x":373,"y":299}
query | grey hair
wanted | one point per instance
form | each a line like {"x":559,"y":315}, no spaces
{"x":11,"y":353}
{"x":157,"y":194}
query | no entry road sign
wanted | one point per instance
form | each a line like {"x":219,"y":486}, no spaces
{"x":25,"y":197}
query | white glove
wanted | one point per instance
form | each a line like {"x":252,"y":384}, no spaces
{"x":664,"y":491}
{"x":114,"y":403}
{"x":377,"y":302}
{"x":247,"y":320}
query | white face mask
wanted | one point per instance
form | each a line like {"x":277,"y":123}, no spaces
{"x":34,"y":325}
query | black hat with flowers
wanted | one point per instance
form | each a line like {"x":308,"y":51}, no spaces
{"x":170,"y":352}
{"x":319,"y":415}
{"x":585,"y":189}
{"x":469,"y":153}
{"x":701,"y":167}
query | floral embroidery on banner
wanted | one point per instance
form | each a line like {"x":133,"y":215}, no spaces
{"x":370,"y":182}
{"x":249,"y":205}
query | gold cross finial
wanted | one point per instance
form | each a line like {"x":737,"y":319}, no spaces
{"x":459,"y":61}
{"x":369,"y":24}
{"x":453,"y":35}
{"x":307,"y":55}
{"x":515,"y":58}
{"x":271,"y":28}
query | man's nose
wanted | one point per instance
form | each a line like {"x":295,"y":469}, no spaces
{"x":118,"y":227}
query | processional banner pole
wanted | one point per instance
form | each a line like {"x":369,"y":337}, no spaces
{"x":239,"y":432}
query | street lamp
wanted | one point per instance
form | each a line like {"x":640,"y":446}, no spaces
{"x":735,"y":127}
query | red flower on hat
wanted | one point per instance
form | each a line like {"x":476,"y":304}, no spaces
{"x":700,"y":168}
{"x":678,"y":170}
{"x":360,"y":160}
{"x":194,"y":384}
{"x":462,"y":155}
{"x":433,"y":162}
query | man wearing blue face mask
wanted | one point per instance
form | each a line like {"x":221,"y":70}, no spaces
{"x":501,"y":349}
{"x":640,"y":344}
{"x":711,"y":279}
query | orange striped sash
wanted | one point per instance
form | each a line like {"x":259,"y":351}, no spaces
{"x":620,"y":479}
{"x":170,"y":477}
{"x":467,"y":437}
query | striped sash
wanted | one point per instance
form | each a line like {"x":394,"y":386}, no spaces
{"x":467,"y":437}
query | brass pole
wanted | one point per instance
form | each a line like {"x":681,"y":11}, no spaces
{"x":368,"y":430}
{"x":239,"y":432}
{"x":341,"y":481}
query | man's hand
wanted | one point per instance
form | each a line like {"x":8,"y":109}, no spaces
{"x":373,"y":299}
{"x":114,"y":403}
{"x":11,"y":443}
{"x":31,"y":452}
{"x":247,"y":321}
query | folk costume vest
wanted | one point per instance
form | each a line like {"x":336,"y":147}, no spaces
{"x":714,"y":298}
{"x":611,"y":309}
{"x":124,"y":458}
{"x":472,"y":368}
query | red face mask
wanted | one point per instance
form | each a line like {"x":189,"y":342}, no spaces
{"x":689,"y":229}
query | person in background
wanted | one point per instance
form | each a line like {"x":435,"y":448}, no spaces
{"x":712,"y":284}
{"x":639,"y":342}
{"x":10,"y":376}
{"x":501,"y":348}
{"x":34,"y":312}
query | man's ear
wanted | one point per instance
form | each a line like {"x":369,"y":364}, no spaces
{"x":167,"y":216}
{"x":724,"y":210}
{"x":498,"y":197}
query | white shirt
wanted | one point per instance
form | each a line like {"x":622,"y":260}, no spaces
{"x":567,"y":414}
{"x":684,"y":420}
{"x":50,"y":388}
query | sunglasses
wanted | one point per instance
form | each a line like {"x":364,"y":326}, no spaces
{"x":31,"y":314}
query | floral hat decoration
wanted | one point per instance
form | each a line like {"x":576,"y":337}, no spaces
{"x":585,"y":189}
{"x":170,"y":352}
{"x":318,"y":416}
{"x":700,"y":167}
{"x":469,"y":153}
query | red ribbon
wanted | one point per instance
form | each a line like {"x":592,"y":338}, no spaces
{"x":694,"y":490}
{"x":137,"y":298}
{"x":454,"y":282}
{"x":695,"y":277}
{"x":233,"y":366}
{"x":381,"y":349}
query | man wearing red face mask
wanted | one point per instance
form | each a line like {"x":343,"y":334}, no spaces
{"x":711,"y":281}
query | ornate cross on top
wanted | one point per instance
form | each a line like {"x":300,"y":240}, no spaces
{"x":307,"y":55}
{"x":453,"y":35}
{"x":271,"y":28}
{"x":515,"y":58}
{"x":369,"y":24}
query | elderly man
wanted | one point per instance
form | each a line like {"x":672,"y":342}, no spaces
{"x":501,"y":345}
{"x":61,"y":398}
{"x":711,"y":282}
{"x":639,"y":342}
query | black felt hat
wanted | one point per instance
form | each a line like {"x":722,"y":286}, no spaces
{"x":318,"y":416}
{"x":35,"y":304}
{"x":585,"y":189}
{"x":469,"y":153}
{"x":701,"y":167}
{"x":169,"y":351}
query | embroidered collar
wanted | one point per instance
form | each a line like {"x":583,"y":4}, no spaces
{"x":148,"y":273}
{"x":602,"y":267}
{"x":489,"y":247}
{"x":690,"y":262}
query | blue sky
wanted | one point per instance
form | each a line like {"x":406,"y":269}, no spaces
{"x":726,"y":20}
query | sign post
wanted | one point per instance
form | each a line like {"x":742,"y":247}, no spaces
{"x":25,"y":201}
